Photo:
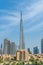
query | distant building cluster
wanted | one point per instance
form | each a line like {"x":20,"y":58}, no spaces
{"x":11,"y":48}
{"x":8,"y":47}
{"x":36,"y":50}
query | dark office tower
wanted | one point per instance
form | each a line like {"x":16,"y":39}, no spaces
{"x":29,"y":51}
{"x":35,"y":50}
{"x":22,"y":45}
{"x":6,"y":46}
{"x":0,"y":52}
{"x":41,"y":45}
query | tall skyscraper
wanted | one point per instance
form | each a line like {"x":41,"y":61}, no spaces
{"x":13,"y":48}
{"x":41,"y":45}
{"x":6,"y":49}
{"x":22,"y":45}
{"x":35,"y":50}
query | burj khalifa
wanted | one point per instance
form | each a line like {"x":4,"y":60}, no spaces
{"x":22,"y":44}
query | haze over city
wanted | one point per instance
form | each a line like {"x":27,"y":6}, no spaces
{"x":32,"y":16}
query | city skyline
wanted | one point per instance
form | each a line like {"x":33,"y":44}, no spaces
{"x":32,"y":21}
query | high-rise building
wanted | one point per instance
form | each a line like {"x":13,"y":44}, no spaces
{"x":29,"y":50}
{"x":22,"y":45}
{"x":6,"y":49}
{"x":35,"y":50}
{"x":0,"y":52}
{"x":13,"y":48}
{"x":41,"y":45}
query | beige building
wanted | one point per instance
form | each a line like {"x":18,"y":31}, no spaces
{"x":22,"y":55}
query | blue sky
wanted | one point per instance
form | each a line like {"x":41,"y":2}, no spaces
{"x":32,"y":11}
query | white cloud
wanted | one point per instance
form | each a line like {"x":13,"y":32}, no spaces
{"x":30,"y":12}
{"x":11,"y":19}
{"x":33,"y":10}
{"x":14,"y":17}
{"x":34,"y":28}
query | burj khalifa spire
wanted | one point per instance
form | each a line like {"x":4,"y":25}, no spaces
{"x":22,"y":44}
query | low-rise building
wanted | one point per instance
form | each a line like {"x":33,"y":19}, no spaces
{"x":22,"y":55}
